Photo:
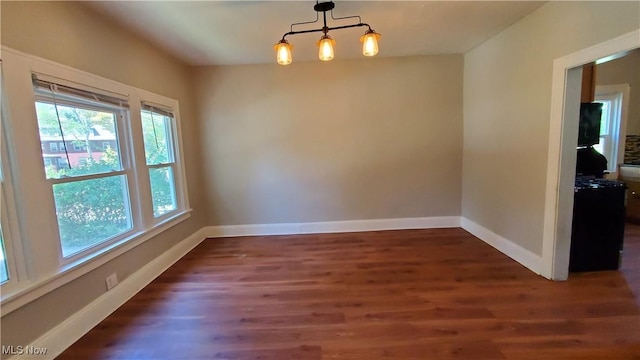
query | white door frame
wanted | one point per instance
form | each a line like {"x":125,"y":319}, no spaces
{"x":561,"y":162}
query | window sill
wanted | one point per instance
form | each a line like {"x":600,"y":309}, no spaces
{"x":28,"y":291}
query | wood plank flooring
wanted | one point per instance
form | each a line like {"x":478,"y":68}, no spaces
{"x":408,"y":294}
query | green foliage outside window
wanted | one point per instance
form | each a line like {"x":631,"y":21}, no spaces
{"x":90,"y":211}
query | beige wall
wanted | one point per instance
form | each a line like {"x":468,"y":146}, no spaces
{"x":507,"y":97}
{"x":345,"y":140}
{"x":625,"y":70}
{"x":71,"y":34}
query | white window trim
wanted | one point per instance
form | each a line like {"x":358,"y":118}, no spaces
{"x":17,"y":268}
{"x":46,"y":269}
{"x":619,"y":133}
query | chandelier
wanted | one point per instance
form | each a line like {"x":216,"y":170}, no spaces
{"x":325,"y":44}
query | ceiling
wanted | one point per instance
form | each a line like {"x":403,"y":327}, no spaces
{"x":244,"y":32}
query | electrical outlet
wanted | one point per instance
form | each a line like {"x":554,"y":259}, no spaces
{"x":112,"y":280}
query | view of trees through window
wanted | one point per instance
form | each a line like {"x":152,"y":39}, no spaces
{"x":156,"y":129}
{"x":89,"y":182}
{"x":91,"y":194}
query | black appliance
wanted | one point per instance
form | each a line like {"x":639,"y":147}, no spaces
{"x":589,"y":161}
{"x":598,"y":225}
{"x":589,"y":125}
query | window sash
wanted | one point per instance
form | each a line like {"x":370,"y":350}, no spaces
{"x":80,"y":145}
{"x":173,"y":188}
{"x":121,"y":201}
{"x":168,"y":126}
{"x":610,"y":128}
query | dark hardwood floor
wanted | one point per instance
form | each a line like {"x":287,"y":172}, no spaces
{"x":409,"y":294}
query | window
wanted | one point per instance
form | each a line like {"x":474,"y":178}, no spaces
{"x":79,"y":146}
{"x":91,"y":194}
{"x":157,"y":131}
{"x":92,"y":200}
{"x":62,"y":162}
{"x":4,"y":270}
{"x":53,"y":147}
{"x":9,"y":253}
{"x":611,"y":126}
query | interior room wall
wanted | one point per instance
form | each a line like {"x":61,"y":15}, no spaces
{"x":71,"y":34}
{"x":507,"y":99}
{"x":624,"y":70}
{"x":373,"y":138}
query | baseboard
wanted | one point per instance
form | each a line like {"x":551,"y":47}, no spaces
{"x":332,"y":226}
{"x":69,"y":331}
{"x":525,"y":257}
{"x":73,"y":328}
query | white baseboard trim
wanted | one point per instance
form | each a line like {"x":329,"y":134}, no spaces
{"x":332,"y":226}
{"x":525,"y":257}
{"x":73,"y":328}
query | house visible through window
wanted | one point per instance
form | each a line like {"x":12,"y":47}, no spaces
{"x":86,"y":187}
{"x":92,"y":193}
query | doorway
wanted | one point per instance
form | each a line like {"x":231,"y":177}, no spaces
{"x":561,"y":164}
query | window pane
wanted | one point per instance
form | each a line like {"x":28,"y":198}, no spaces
{"x":4,"y":272}
{"x":156,"y":129}
{"x":85,"y":134}
{"x":163,"y":192}
{"x":605,"y":119}
{"x":91,"y":211}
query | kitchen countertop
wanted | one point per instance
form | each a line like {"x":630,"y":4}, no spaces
{"x":630,"y":172}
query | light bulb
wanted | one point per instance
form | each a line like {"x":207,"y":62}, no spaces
{"x":283,"y":52}
{"x":325,"y":51}
{"x":370,"y":43}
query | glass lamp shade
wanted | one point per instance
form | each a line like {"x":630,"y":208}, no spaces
{"x":325,"y":51}
{"x":370,"y":43}
{"x":283,"y":52}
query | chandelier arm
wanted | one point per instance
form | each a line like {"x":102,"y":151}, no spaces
{"x":305,"y":22}
{"x":346,"y":17}
{"x":327,"y":29}
{"x":301,"y":32}
{"x":349,"y":26}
